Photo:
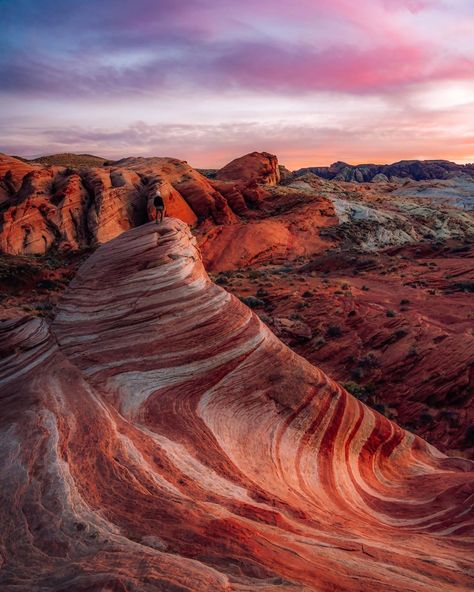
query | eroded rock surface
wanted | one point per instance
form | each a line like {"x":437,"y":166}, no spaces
{"x":162,"y":438}
{"x":44,"y":207}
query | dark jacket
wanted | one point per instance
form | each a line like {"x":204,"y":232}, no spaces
{"x":159,"y":203}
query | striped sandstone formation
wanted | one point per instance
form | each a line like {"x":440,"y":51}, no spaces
{"x":160,"y":437}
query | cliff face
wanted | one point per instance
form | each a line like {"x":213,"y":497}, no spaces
{"x":165,"y":439}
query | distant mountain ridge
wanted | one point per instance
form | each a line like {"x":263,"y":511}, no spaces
{"x":418,"y":170}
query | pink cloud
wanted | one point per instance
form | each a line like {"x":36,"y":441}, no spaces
{"x":278,"y":51}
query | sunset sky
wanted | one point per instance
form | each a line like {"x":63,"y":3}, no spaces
{"x":312,"y":81}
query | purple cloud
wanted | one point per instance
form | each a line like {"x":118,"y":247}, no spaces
{"x":108,"y":48}
{"x":62,"y":61}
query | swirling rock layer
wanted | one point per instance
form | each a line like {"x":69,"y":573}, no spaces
{"x":162,"y":438}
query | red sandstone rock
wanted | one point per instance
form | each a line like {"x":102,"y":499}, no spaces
{"x":46,"y":206}
{"x":278,"y":234}
{"x":261,"y":167}
{"x":194,"y":188}
{"x":294,"y":330}
{"x":12,"y":171}
{"x":166,"y":439}
{"x":175,"y":204}
{"x":395,"y":325}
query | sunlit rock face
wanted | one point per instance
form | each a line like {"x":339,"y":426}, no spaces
{"x":256,"y":166}
{"x":72,"y":208}
{"x":160,"y":437}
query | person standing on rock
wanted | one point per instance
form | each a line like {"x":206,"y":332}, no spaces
{"x":159,"y":205}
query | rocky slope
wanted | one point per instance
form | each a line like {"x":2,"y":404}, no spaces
{"x":165,"y":439}
{"x":395,"y":327}
{"x":307,"y":216}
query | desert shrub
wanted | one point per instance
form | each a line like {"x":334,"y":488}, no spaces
{"x":43,"y":305}
{"x":43,"y":309}
{"x":390,"y":313}
{"x":464,"y":286}
{"x":360,"y":391}
{"x":252,"y":302}
{"x":334,"y":331}
{"x":47,"y":284}
{"x":381,"y":408}
{"x":253,"y":275}
{"x":369,"y":361}
{"x":14,"y":271}
{"x":300,"y":305}
{"x":400,"y":333}
{"x":425,"y":418}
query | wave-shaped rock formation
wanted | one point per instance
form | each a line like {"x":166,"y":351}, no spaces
{"x":417,"y":170}
{"x":44,"y":204}
{"x":160,"y":437}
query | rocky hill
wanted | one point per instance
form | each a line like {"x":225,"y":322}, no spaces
{"x":158,"y":436}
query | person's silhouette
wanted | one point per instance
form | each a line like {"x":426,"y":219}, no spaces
{"x":159,"y":207}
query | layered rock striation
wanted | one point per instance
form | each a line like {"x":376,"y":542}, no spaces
{"x":160,"y":437}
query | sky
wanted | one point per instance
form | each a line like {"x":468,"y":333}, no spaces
{"x":313,"y":81}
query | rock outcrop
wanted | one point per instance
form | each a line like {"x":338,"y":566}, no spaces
{"x":162,"y":438}
{"x":261,"y":167}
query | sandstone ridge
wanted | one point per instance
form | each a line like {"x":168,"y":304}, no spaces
{"x":165,"y":439}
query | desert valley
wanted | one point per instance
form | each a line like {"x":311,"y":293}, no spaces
{"x":272,"y":389}
{"x":236,"y":296}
